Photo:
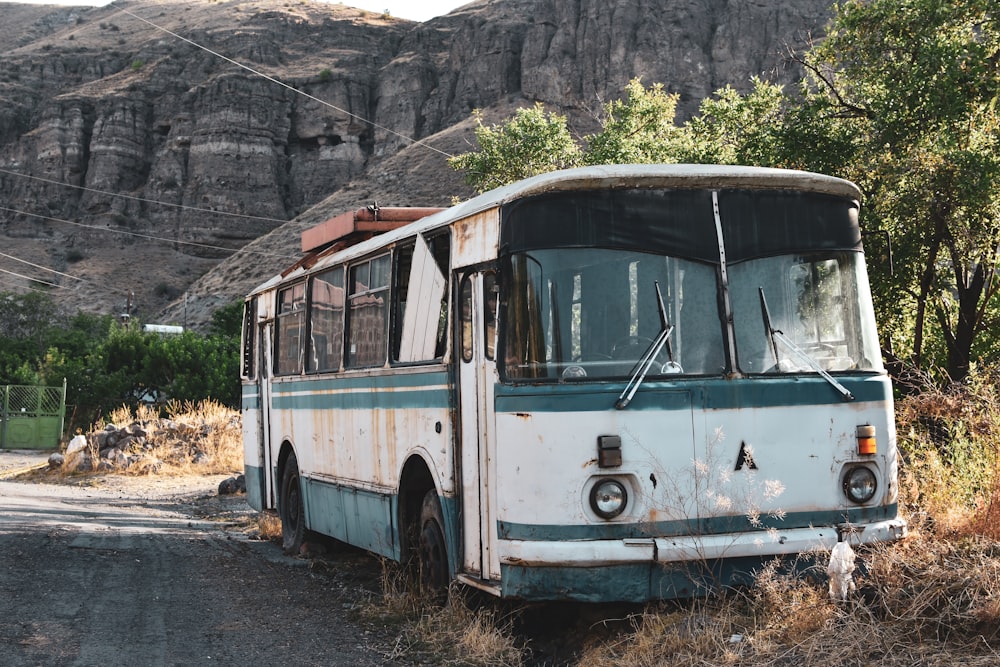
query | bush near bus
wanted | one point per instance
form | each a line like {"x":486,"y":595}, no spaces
{"x":107,"y":366}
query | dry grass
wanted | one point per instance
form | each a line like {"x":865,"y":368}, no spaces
{"x":455,"y":633}
{"x":268,"y":526}
{"x":191,"y":438}
{"x":924,"y":601}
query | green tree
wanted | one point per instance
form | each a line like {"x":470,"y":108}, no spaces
{"x":532,"y":142}
{"x":907,"y":90}
{"x":637,"y":129}
{"x":733,"y":128}
{"x":191,"y":367}
{"x":227,"y":320}
{"x":28,"y":318}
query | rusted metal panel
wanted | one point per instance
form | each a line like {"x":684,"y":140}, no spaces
{"x":475,"y":238}
{"x":362,"y":224}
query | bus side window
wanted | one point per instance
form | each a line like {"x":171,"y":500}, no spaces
{"x":420,"y":300}
{"x":490,"y":313}
{"x":289,"y":343}
{"x":249,"y":370}
{"x":466,"y":310}
{"x":368,"y":308}
{"x":326,"y":320}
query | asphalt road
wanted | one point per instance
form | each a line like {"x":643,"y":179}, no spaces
{"x":98,"y":577}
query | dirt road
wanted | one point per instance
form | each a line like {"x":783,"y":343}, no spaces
{"x":116,"y":576}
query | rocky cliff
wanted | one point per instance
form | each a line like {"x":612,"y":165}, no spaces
{"x":166,"y":153}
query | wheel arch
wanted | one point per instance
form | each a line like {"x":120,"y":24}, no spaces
{"x":415,"y":480}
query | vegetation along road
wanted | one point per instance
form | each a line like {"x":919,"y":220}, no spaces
{"x":138,"y":575}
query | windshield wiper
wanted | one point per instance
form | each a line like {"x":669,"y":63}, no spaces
{"x":776,"y":335}
{"x":646,"y":361}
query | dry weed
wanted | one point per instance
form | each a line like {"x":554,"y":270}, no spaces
{"x":268,"y":526}
{"x":454,"y":634}
{"x":700,"y":635}
{"x":195,"y":438}
{"x":459,"y":635}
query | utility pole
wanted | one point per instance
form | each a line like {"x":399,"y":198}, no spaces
{"x":126,"y":317}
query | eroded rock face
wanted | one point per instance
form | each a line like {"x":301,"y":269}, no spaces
{"x":104,"y":100}
{"x":578,"y":55}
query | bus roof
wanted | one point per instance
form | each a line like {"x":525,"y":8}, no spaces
{"x":681,"y":176}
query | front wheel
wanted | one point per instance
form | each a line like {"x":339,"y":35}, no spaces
{"x":432,"y":550}
{"x":291,"y":508}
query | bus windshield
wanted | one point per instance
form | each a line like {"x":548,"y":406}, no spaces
{"x":575,"y":313}
{"x":586,"y":313}
{"x":815,"y":301}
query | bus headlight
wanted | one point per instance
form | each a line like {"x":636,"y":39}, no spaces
{"x":860,"y":484}
{"x":608,"y":498}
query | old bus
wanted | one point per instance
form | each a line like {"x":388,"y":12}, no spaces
{"x":622,"y":382}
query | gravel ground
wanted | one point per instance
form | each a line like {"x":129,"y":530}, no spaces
{"x":145,"y":570}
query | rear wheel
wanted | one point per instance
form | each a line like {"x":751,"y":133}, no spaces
{"x":432,"y":550}
{"x":291,"y":508}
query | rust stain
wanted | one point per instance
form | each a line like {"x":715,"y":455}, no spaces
{"x":475,"y":238}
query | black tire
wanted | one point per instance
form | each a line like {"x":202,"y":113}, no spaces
{"x":432,"y":549}
{"x":291,"y":508}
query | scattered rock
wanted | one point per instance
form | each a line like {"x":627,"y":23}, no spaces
{"x":78,"y":443}
{"x":233,"y":485}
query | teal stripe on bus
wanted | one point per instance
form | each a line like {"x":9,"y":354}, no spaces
{"x":705,"y":393}
{"x":250,"y":399}
{"x":353,"y":382}
{"x":373,"y":392}
{"x":369,"y":400}
{"x":693,"y":527}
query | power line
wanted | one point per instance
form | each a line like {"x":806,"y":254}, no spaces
{"x":182,"y":206}
{"x":141,"y":199}
{"x":147,"y":236}
{"x":38,"y":266}
{"x":58,"y":273}
{"x":33,"y":280}
{"x":285,"y":85}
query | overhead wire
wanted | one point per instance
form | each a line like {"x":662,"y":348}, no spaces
{"x":32,"y":280}
{"x":38,"y":266}
{"x":147,"y":236}
{"x":285,"y":85}
{"x":58,"y":273}
{"x":141,"y":199}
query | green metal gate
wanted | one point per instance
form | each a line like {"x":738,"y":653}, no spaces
{"x":31,"y":417}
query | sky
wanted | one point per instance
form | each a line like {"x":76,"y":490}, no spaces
{"x":415,"y":10}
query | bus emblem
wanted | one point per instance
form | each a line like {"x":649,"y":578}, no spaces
{"x":745,"y":457}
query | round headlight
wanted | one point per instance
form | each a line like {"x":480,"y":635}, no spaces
{"x":860,"y":484}
{"x":608,"y":498}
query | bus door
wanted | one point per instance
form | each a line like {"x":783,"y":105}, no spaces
{"x":477,"y":376}
{"x":264,"y":414}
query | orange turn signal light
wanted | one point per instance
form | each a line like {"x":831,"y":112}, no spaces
{"x":866,"y":440}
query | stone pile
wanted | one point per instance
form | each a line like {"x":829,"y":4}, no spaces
{"x":141,"y":445}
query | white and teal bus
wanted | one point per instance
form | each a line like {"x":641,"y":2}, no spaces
{"x":625,"y":383}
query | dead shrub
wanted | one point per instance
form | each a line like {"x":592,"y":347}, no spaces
{"x":453,"y":634}
{"x":193,"y":438}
